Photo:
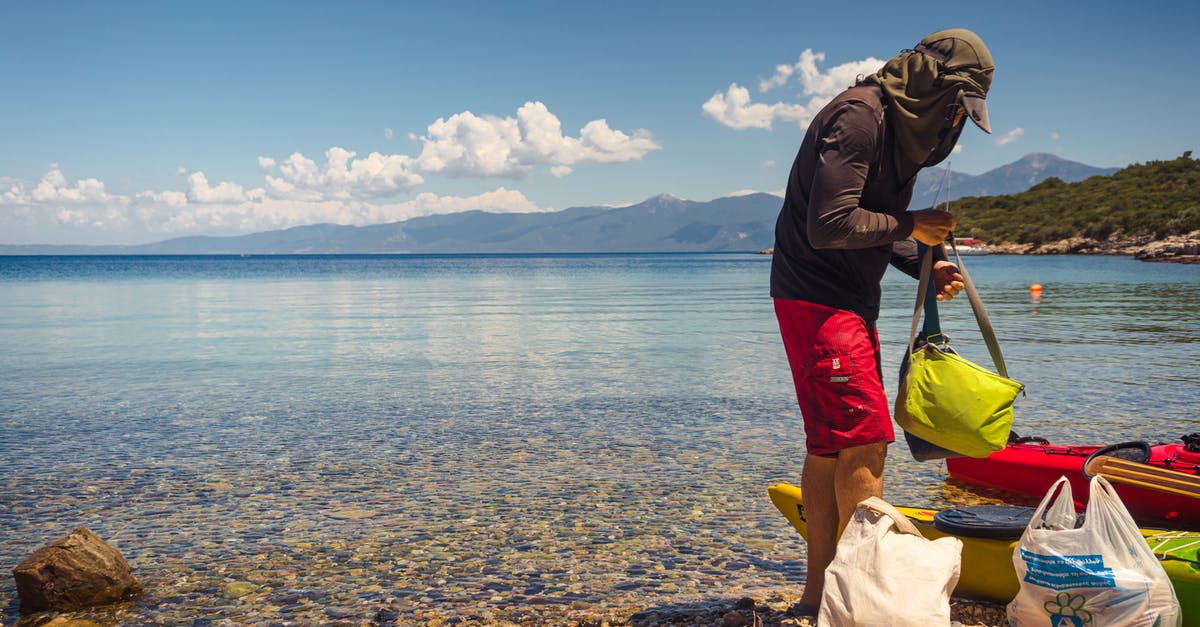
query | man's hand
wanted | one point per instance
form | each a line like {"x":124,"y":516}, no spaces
{"x":931,"y":226}
{"x":949,"y":282}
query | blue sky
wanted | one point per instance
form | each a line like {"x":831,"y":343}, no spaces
{"x":131,"y":122}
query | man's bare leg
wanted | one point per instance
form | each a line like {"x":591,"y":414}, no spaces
{"x":832,"y":488}
{"x":817,"y":484}
{"x":859,"y":476}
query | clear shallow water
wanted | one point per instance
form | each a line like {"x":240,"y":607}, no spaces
{"x":489,"y":436}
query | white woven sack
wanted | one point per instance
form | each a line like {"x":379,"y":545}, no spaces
{"x":1101,"y":573}
{"x":886,"y":574}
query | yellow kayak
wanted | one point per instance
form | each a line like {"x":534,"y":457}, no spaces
{"x":987,"y":567}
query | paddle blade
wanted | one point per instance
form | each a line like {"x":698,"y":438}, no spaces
{"x":1143,"y":476}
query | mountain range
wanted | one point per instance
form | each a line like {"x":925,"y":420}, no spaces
{"x":660,"y":224}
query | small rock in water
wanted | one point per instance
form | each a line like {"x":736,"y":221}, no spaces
{"x":238,"y":589}
{"x":386,"y":617}
{"x":352,"y":514}
{"x":734,"y":619}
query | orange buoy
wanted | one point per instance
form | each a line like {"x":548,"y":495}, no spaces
{"x":1035,"y":289}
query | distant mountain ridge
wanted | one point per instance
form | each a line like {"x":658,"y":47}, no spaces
{"x":1013,"y":178}
{"x":659,"y":224}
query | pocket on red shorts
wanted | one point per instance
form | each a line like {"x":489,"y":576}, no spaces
{"x":847,"y":396}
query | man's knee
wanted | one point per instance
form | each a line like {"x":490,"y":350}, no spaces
{"x":872,"y":450}
{"x":867,"y":455}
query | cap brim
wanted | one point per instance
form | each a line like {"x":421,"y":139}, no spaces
{"x":977,"y":108}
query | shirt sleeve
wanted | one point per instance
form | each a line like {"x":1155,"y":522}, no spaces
{"x":905,"y":258}
{"x":845,"y":149}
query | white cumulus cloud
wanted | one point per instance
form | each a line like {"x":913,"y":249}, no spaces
{"x":341,"y":177}
{"x":735,"y":109}
{"x":54,"y":187}
{"x":468,"y":145}
{"x":1009,"y":137}
{"x":164,"y":199}
{"x":56,"y":201}
{"x":200,"y":191}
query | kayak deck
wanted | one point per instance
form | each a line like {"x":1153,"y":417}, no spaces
{"x":988,"y":573}
{"x":1031,"y":468}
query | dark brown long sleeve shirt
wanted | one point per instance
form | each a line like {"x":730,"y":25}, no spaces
{"x":844,"y":215}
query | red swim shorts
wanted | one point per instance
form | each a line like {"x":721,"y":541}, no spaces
{"x":834,"y":357}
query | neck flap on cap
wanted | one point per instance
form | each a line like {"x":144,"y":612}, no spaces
{"x":920,"y":84}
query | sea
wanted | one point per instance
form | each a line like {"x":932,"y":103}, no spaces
{"x":472,"y":439}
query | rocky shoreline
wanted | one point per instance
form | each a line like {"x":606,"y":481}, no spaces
{"x":1173,"y":249}
{"x":1176,"y":248}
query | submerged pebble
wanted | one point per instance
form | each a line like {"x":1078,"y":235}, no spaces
{"x":238,"y":589}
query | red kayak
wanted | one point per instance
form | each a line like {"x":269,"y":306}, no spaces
{"x":1031,"y":465}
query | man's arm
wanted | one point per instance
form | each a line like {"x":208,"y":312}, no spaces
{"x":946,"y":276}
{"x":835,"y":220}
{"x":847,"y":145}
{"x":904,"y":257}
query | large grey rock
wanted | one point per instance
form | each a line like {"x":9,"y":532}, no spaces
{"x":73,"y":572}
{"x":1179,"y":248}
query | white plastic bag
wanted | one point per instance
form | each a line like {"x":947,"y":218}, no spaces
{"x":1101,"y":573}
{"x":886,"y":574}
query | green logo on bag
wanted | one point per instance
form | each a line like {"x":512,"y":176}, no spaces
{"x":1066,"y":610}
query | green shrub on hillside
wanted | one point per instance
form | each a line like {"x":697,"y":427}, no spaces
{"x":1155,"y":199}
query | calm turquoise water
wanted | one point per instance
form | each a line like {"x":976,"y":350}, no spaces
{"x":476,"y":436}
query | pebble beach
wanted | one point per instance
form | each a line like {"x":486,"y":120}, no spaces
{"x":337,"y":542}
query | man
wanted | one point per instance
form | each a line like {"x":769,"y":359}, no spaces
{"x":843,"y":221}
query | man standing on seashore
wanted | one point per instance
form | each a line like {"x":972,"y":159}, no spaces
{"x":843,"y":221}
